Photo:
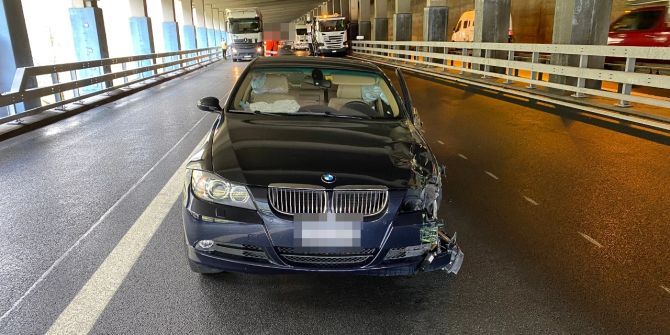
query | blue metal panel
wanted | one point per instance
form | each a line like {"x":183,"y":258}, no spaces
{"x":171,"y":40}
{"x":201,"y":34}
{"x":189,"y":37}
{"x":89,"y":41}
{"x":211,"y":38}
{"x":140,"y":30}
{"x":14,"y":50}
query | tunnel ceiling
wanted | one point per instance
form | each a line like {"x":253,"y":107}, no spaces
{"x":274,"y":11}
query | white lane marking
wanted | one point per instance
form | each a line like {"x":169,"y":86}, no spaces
{"x":666,"y":289}
{"x":442,"y":143}
{"x":95,"y":225}
{"x":590,"y":239}
{"x":84,"y":310}
{"x":491,"y":175}
{"x":530,"y":200}
{"x":463,"y":156}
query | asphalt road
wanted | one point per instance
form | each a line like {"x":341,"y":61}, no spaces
{"x":564,"y":225}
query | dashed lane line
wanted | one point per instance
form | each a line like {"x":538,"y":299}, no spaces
{"x":95,"y":225}
{"x":531,"y":200}
{"x":442,"y":143}
{"x":491,"y":175}
{"x":666,"y":289}
{"x":463,"y":156}
{"x":590,"y":239}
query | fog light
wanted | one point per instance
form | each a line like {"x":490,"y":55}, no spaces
{"x":204,"y":245}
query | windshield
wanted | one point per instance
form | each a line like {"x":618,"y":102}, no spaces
{"x":332,"y":25}
{"x":245,"y":26}
{"x":310,"y":91}
{"x":301,"y":31}
{"x":640,"y":20}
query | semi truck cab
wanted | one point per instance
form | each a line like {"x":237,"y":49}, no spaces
{"x":329,"y":35}
{"x":245,"y":33}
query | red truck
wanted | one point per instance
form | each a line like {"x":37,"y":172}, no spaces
{"x":644,"y":26}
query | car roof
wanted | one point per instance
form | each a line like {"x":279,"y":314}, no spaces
{"x":318,"y":62}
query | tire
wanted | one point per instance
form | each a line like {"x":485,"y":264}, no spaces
{"x":202,"y":269}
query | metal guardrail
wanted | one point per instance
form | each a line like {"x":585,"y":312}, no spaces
{"x":478,"y":59}
{"x":170,"y":63}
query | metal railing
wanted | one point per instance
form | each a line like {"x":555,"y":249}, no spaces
{"x":526,"y":63}
{"x":29,"y":97}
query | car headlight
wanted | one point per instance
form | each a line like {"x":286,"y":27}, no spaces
{"x":234,"y":50}
{"x":210,"y":187}
{"x":259,"y":50}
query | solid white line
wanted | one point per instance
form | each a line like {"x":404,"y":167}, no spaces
{"x":491,"y":175}
{"x":590,"y":239}
{"x":462,"y":156}
{"x":530,"y":200}
{"x":666,"y":289}
{"x":438,"y":141}
{"x":95,"y":225}
{"x":84,"y":310}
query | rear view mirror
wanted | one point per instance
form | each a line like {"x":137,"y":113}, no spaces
{"x":318,"y":79}
{"x":209,"y":104}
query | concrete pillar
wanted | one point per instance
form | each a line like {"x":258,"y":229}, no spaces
{"x":336,"y":7}
{"x":381,"y":25}
{"x":90,"y":40}
{"x":324,"y":9}
{"x":353,"y":11}
{"x":584,"y":22}
{"x":200,"y":26}
{"x":492,"y":20}
{"x":224,"y":28}
{"x":209,"y":24}
{"x":14,"y":50}
{"x":435,"y":16}
{"x":217,"y":26}
{"x":170,"y":26}
{"x":188,"y":28}
{"x":344,"y":8}
{"x":402,"y":20}
{"x":140,"y":28}
{"x":364,"y":25}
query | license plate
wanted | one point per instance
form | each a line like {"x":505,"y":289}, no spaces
{"x":247,"y":56}
{"x":327,"y":230}
{"x":334,"y":51}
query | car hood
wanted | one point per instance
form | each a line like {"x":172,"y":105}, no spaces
{"x":261,"y":149}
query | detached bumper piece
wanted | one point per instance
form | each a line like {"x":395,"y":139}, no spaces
{"x":446,"y":256}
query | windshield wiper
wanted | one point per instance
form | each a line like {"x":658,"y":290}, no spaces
{"x":329,"y":114}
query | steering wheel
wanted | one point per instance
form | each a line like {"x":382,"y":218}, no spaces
{"x":360,"y":107}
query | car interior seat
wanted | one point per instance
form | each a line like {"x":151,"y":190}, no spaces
{"x":349,"y":88}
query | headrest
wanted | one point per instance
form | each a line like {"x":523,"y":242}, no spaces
{"x":347,"y":79}
{"x":269,"y":83}
{"x":349,"y":91}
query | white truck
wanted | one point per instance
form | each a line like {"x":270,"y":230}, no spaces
{"x":245,"y":33}
{"x":329,"y":35}
{"x":300,"y":42}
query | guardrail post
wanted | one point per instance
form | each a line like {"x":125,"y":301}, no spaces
{"x":581,"y":82}
{"x":535,"y":58}
{"x":510,"y":70}
{"x":627,"y":88}
{"x":487,"y":68}
{"x":58,"y":96}
{"x":73,"y":77}
{"x":464,"y":51}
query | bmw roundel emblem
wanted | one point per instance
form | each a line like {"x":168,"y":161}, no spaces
{"x":328,"y":178}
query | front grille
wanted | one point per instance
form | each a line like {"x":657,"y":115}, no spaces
{"x":241,"y":45}
{"x":360,"y":201}
{"x":294,"y":199}
{"x":291,"y":199}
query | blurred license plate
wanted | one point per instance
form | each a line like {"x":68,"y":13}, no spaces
{"x":247,"y":56}
{"x":334,"y":51}
{"x":327,"y":230}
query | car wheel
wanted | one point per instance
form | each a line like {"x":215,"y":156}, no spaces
{"x":202,"y":269}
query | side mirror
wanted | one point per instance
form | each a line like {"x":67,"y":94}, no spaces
{"x":209,"y":104}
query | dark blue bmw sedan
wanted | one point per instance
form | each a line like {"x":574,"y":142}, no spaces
{"x":316,"y":165}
